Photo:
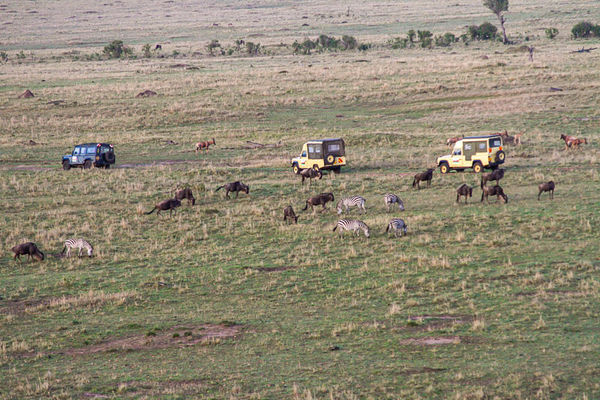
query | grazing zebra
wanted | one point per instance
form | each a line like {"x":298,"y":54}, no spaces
{"x":77,"y":243}
{"x":397,"y":225}
{"x":351,"y":202}
{"x":353,"y":225}
{"x":390,"y":199}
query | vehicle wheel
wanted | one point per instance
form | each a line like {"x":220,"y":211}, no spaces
{"x":66,"y":165}
{"x":477,"y":167}
{"x":330,"y":159}
{"x":316,"y":168}
{"x":107,"y":166}
{"x":500,"y":156}
{"x":296,"y":169}
{"x":87,"y":164}
{"x":337,"y":170}
{"x":109,"y":157}
{"x":444,"y":168}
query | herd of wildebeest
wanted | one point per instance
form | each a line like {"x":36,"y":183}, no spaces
{"x":396,"y":225}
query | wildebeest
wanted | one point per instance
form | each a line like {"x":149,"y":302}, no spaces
{"x":321,"y":199}
{"x":493,"y":191}
{"x":310,"y":173}
{"x":288,"y":213}
{"x":204,"y":145}
{"x":170,"y":204}
{"x":495,"y":175}
{"x":236,"y":187}
{"x":29,"y":249}
{"x":464,"y":190}
{"x":546,"y":187}
{"x":423,"y":176}
{"x":185,"y":194}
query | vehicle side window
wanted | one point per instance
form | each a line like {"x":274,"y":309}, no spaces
{"x":495,"y":143}
{"x":482,"y":146}
{"x":457,"y":152}
{"x":468,"y":146}
{"x":91,"y":150}
{"x":104,"y":149}
{"x":76,"y":151}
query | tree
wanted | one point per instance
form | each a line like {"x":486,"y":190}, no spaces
{"x":498,"y":7}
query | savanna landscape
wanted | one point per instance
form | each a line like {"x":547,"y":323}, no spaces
{"x":223,"y":299}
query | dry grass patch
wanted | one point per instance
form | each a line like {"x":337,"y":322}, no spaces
{"x":85,"y":300}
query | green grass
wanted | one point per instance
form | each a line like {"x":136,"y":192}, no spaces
{"x":509,"y":292}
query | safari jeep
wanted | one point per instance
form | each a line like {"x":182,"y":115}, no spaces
{"x":321,"y":154}
{"x":477,"y":152}
{"x":100,"y":155}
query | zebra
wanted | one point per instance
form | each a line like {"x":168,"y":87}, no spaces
{"x":77,"y":243}
{"x":353,"y":225}
{"x":390,"y":199}
{"x":397,"y":225}
{"x":351,"y":202}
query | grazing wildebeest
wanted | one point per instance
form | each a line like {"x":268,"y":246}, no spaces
{"x":29,"y":249}
{"x":546,"y":187}
{"x":495,"y":175}
{"x":321,"y":199}
{"x":204,"y":145}
{"x":288,"y":213}
{"x":464,"y":190}
{"x":236,"y":187}
{"x":310,"y":173}
{"x":423,"y":176}
{"x":493,"y":191}
{"x":170,"y":204}
{"x":185,"y":194}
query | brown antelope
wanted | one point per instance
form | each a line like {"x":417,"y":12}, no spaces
{"x":204,"y":145}
{"x":493,"y":191}
{"x":185,"y":194}
{"x":546,"y":187}
{"x":321,"y":199}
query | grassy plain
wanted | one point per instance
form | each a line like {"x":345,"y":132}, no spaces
{"x":224,"y":300}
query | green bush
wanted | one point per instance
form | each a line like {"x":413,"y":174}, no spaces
{"x":485,"y":31}
{"x":116,"y":49}
{"x":445,"y":40}
{"x":585,"y":29}
{"x":551,"y":33}
{"x":349,"y":42}
{"x":253,"y":48}
{"x":212,"y":45}
{"x":3,"y":56}
{"x":147,"y":50}
{"x":328,"y":42}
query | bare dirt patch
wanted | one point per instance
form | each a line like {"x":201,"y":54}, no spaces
{"x":174,"y":337}
{"x":431,"y":341}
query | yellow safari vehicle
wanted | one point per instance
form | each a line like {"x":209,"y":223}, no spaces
{"x":477,"y":152}
{"x":321,"y":154}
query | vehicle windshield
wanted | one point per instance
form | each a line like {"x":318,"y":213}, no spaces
{"x":457,"y":151}
{"x":495,"y":142}
{"x":76,"y":151}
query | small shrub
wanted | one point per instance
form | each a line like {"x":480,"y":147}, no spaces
{"x":147,"y":51}
{"x":364,"y":46}
{"x":411,"y":36}
{"x":212,"y":45}
{"x":425,"y":38}
{"x":3,"y":56}
{"x":21,"y":55}
{"x":485,"y":31}
{"x":585,"y":29}
{"x":253,"y":48}
{"x":446,"y":40}
{"x":398,"y":43}
{"x":349,"y":42}
{"x":551,"y":33}
{"x":328,"y":42}
{"x":116,"y":49}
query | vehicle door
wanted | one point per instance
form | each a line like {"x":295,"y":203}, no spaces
{"x":458,"y":158}
{"x":315,"y":151}
{"x":303,"y":157}
{"x":76,"y":154}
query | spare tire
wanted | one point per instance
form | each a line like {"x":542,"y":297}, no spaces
{"x":500,"y":156}
{"x":109,"y":157}
{"x":329,"y":159}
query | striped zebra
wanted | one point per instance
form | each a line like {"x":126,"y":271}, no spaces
{"x":77,"y":243}
{"x":397,"y":225}
{"x":354,"y":201}
{"x":390,"y":199}
{"x":353,"y":225}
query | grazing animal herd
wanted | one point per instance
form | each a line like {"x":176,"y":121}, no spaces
{"x":396,"y":225}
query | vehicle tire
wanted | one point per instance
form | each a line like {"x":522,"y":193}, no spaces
{"x":329,"y":159}
{"x":477,"y":167}
{"x":500,"y":156}
{"x":444,"y":168}
{"x":109,"y":157}
{"x":316,"y":168}
{"x":66,"y":165}
{"x":87,"y":164}
{"x":337,"y":170}
{"x":296,"y":169}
